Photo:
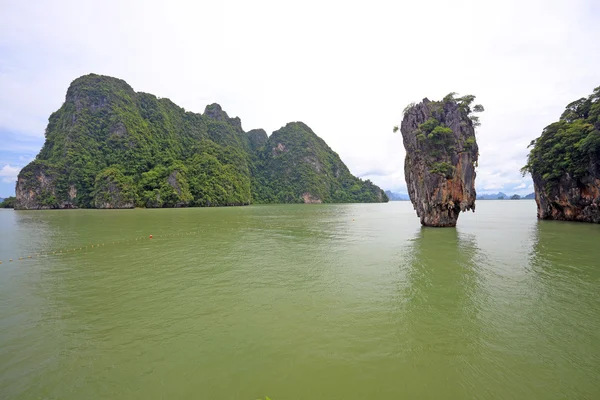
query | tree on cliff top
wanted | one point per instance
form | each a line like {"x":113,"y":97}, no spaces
{"x":569,"y":146}
{"x":464,"y":104}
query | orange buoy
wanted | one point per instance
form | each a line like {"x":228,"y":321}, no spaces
{"x":150,"y":236}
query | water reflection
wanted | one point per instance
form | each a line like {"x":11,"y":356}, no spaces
{"x":442,"y":312}
{"x":566,"y":247}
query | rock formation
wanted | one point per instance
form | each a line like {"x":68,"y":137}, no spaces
{"x":570,"y":199}
{"x":441,"y":154}
{"x":565,"y":164}
{"x":111,"y":147}
{"x":298,"y":166}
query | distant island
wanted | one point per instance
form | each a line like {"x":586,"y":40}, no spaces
{"x":8,"y":202}
{"x":504,"y":196}
{"x":393,"y":196}
{"x":111,"y":147}
{"x":564,"y":163}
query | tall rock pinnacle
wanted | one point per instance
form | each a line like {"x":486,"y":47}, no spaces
{"x":441,"y":154}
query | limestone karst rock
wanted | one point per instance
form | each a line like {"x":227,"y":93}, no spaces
{"x":109,"y":146}
{"x":565,"y":164}
{"x":441,"y":154}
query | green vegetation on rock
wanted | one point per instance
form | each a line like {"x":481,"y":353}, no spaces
{"x":8,"y":202}
{"x":569,"y":146}
{"x":441,"y":156}
{"x":564,"y":163}
{"x":436,"y":139}
{"x":110,"y":147}
{"x":297,"y":166}
{"x":442,"y":168}
{"x":112,"y":189}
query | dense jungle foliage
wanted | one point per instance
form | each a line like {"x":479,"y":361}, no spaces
{"x":8,"y":202}
{"x":296,"y":161}
{"x":569,"y":146}
{"x":110,"y":145}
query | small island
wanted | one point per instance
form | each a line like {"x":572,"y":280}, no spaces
{"x":441,"y":155}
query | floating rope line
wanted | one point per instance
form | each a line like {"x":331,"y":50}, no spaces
{"x":57,"y":252}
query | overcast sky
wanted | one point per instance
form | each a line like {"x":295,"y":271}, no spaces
{"x":347,"y":69}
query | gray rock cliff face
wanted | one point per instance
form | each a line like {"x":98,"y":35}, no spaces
{"x":570,"y":200}
{"x":441,"y":153}
{"x":36,"y":189}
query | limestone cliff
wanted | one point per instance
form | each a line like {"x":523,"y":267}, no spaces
{"x":570,"y":199}
{"x":297,"y":166}
{"x":565,"y":164}
{"x":37,"y":189}
{"x":441,"y":154}
{"x":109,"y":146}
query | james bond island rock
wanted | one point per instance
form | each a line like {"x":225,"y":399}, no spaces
{"x":564,"y":163}
{"x":441,"y":155}
{"x":111,"y":147}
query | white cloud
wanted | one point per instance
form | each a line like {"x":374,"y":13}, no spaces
{"x":347,"y":69}
{"x":9,"y":174}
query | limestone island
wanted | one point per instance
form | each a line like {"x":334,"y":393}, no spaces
{"x":441,"y":155}
{"x":111,"y":147}
{"x":564,"y":163}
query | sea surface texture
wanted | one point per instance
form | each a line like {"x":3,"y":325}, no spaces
{"x":298,"y":302}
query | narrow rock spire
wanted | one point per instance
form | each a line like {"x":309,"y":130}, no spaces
{"x":441,"y":154}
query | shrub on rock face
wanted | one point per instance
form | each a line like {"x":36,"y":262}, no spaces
{"x":112,"y":189}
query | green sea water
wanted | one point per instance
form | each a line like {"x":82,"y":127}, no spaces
{"x":298,"y":302}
